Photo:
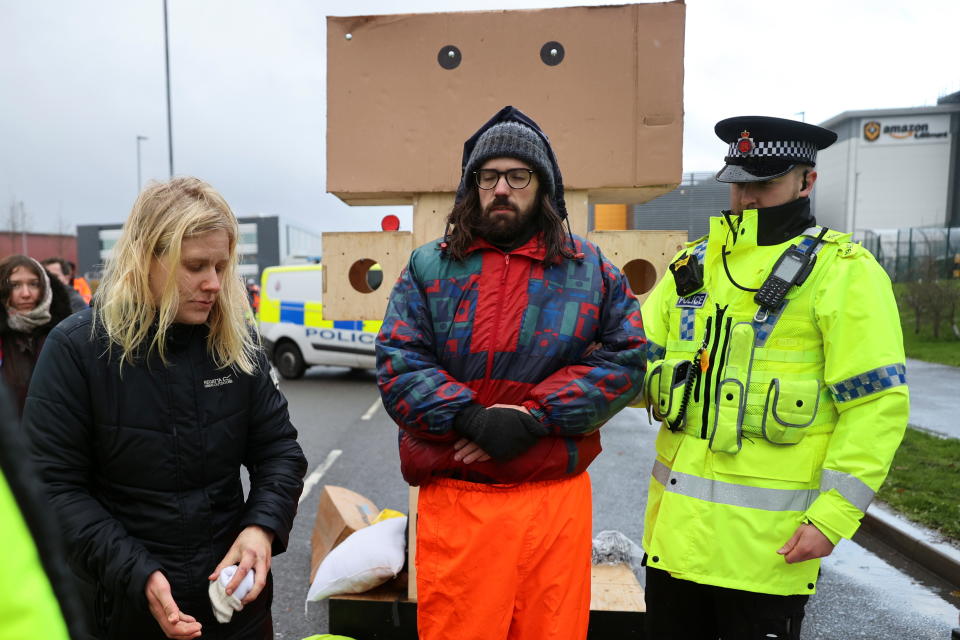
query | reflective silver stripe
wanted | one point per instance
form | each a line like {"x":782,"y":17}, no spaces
{"x":736,"y":495}
{"x":850,"y":487}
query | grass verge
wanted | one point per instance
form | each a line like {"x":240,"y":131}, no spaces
{"x":924,"y":482}
{"x":923,"y":346}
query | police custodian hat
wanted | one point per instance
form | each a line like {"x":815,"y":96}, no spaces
{"x":763,"y":148}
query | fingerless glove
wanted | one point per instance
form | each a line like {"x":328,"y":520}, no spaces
{"x":502,"y":433}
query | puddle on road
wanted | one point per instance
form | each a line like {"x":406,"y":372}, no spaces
{"x":893,"y":577}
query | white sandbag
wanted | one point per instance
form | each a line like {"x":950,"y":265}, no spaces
{"x":367,"y":558}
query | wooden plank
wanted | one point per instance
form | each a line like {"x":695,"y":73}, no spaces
{"x":644,"y":256}
{"x":414,"y":496}
{"x":613,"y":587}
{"x":430,"y":211}
{"x":397,"y":620}
{"x":577,"y":210}
{"x":390,"y":591}
{"x":616,"y":611}
{"x":346,"y":257}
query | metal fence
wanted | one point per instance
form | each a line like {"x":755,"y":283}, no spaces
{"x":906,"y":254}
{"x":916,"y":254}
{"x":689,"y":206}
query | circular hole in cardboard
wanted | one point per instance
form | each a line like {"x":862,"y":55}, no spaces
{"x":551,"y":53}
{"x":449,"y":57}
{"x":641,"y":275}
{"x":365,"y":275}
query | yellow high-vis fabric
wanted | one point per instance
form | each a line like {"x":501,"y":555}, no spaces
{"x":795,"y":418}
{"x":28,"y":607}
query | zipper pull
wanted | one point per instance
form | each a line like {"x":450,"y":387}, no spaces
{"x":506,"y":267}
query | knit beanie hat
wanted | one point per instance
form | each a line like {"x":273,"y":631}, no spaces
{"x":520,"y":137}
{"x":514,"y":140}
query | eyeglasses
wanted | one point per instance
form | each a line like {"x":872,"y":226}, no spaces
{"x":516,"y":178}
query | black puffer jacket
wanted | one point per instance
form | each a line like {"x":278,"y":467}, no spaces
{"x":143,"y":468}
{"x":20,"y":350}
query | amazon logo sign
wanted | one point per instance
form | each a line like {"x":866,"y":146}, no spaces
{"x":902,"y":130}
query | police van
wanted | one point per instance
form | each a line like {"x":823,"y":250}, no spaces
{"x":294,"y":332}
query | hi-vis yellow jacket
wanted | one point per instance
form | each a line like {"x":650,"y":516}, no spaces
{"x":796,"y":418}
{"x":29,"y":606}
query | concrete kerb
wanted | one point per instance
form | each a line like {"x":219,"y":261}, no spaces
{"x":932,"y":410}
{"x":920,"y":545}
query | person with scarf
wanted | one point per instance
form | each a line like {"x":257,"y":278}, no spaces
{"x":33,"y":304}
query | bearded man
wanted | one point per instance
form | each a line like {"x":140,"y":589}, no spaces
{"x":505,"y":346}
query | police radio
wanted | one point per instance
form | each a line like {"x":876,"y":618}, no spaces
{"x":791,"y":270}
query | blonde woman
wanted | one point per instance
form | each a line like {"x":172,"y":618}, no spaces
{"x":141,"y":412}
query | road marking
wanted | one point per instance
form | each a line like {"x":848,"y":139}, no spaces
{"x":314,"y":478}
{"x":373,"y":409}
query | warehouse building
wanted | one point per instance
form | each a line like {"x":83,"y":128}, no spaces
{"x":892,"y":169}
{"x":264,"y":241}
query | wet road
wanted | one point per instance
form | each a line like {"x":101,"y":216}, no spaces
{"x":933,"y":397}
{"x":861,"y":594}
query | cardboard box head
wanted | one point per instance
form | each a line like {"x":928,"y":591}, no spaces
{"x":605,"y":84}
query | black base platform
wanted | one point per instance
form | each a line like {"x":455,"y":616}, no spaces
{"x":397,"y":620}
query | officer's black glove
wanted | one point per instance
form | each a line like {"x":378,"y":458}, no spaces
{"x":502,"y":433}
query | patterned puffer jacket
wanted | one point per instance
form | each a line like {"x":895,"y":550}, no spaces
{"x":565,"y":341}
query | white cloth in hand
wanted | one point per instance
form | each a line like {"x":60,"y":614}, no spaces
{"x":224,"y":605}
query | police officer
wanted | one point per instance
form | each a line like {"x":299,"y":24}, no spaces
{"x":778,"y":376}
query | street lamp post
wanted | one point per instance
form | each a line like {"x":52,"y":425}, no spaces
{"x":139,"y":140}
{"x":166,"y":57}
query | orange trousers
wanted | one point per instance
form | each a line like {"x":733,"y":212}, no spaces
{"x":497,"y":562}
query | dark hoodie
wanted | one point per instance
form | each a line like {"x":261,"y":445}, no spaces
{"x":19,"y":351}
{"x":512,"y":114}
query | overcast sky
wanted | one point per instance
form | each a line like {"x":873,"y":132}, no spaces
{"x":81,"y":79}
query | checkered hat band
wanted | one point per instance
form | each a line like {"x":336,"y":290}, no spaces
{"x":869,"y":382}
{"x":786,"y":149}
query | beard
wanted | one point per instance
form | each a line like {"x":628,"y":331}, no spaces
{"x":504,"y":229}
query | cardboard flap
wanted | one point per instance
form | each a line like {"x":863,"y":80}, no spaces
{"x":340,"y":513}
